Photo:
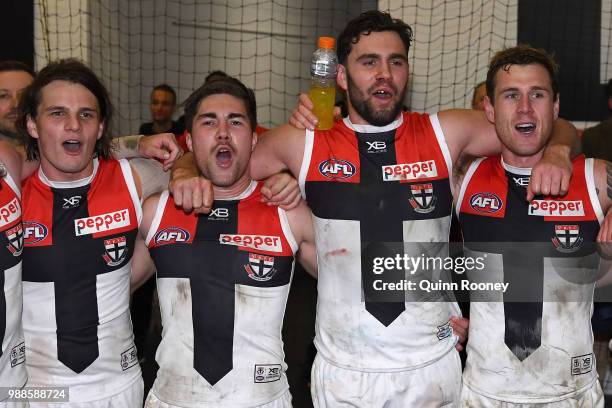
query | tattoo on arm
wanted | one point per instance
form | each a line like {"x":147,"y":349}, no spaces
{"x":126,"y":147}
{"x":609,"y":179}
{"x":131,"y":143}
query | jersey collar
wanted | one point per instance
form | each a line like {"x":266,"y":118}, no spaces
{"x":521,"y":171}
{"x":69,"y":184}
{"x":374,"y":129}
{"x":247,"y":192}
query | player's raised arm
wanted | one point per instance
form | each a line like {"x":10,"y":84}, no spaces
{"x":279,"y":149}
{"x":470,"y":132}
{"x":162,"y":147}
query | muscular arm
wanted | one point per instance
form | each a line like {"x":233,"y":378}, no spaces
{"x":460,"y":167}
{"x":300,"y":221}
{"x":149,"y":176}
{"x":468,"y":131}
{"x":279,"y":149}
{"x":162,"y":147}
{"x":125,"y":147}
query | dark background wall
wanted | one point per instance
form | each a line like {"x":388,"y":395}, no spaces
{"x":17,"y":31}
{"x":572,"y":31}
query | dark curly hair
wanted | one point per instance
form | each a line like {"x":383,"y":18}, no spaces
{"x":70,"y":70}
{"x":366,"y":23}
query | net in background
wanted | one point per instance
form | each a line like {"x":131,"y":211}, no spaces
{"x":134,"y":45}
{"x":137,"y":44}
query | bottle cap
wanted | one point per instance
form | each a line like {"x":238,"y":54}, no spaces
{"x":327,"y":42}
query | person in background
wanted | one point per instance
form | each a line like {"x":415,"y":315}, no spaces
{"x":163,"y":106}
{"x":480,"y":91}
{"x":15,"y":76}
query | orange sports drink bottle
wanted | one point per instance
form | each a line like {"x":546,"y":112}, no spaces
{"x":323,"y":68}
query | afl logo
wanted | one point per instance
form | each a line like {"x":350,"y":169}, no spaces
{"x":33,"y":232}
{"x":337,"y":169}
{"x":485,"y":202}
{"x":171,"y":235}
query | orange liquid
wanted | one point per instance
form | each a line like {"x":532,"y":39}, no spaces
{"x":323,"y":99}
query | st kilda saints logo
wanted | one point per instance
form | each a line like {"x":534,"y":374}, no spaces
{"x":14,"y":236}
{"x":116,"y":251}
{"x":423,"y":199}
{"x":260,"y":267}
{"x":567,"y":238}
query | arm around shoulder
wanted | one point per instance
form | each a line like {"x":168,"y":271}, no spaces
{"x":279,"y":149}
{"x":469,"y":132}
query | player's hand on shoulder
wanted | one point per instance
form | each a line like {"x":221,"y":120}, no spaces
{"x":551,"y":175}
{"x":162,"y":146}
{"x":190,"y":191}
{"x":460,"y":326}
{"x":302,"y":116}
{"x":281,"y":189}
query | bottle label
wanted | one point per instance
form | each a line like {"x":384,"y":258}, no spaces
{"x":323,"y":68}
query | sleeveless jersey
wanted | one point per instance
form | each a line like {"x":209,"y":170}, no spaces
{"x":532,"y":343}
{"x":78,"y":243}
{"x":12,"y":355}
{"x":369,"y":187}
{"x":223,"y":281}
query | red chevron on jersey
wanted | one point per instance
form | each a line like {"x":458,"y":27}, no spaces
{"x":255,"y":229}
{"x":486,"y":192}
{"x":106,"y":217}
{"x":335,"y":157}
{"x":335,"y":154}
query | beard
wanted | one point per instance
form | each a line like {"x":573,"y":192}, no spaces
{"x":364,"y":108}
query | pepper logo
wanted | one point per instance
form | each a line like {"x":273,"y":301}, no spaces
{"x":409,"y":171}
{"x":261,"y":242}
{"x":10,"y":212}
{"x":102,"y":222}
{"x":554,"y":208}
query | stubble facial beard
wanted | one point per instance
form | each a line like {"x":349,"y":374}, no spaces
{"x":10,"y":133}
{"x":205,"y":170}
{"x":365,"y":109}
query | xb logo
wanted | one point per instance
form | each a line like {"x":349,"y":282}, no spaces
{"x":71,"y":202}
{"x":376,"y":145}
{"x":219,"y":213}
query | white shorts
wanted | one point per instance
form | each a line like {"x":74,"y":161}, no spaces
{"x":591,"y":398}
{"x":435,"y":385}
{"x":284,"y":401}
{"x":131,"y":397}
